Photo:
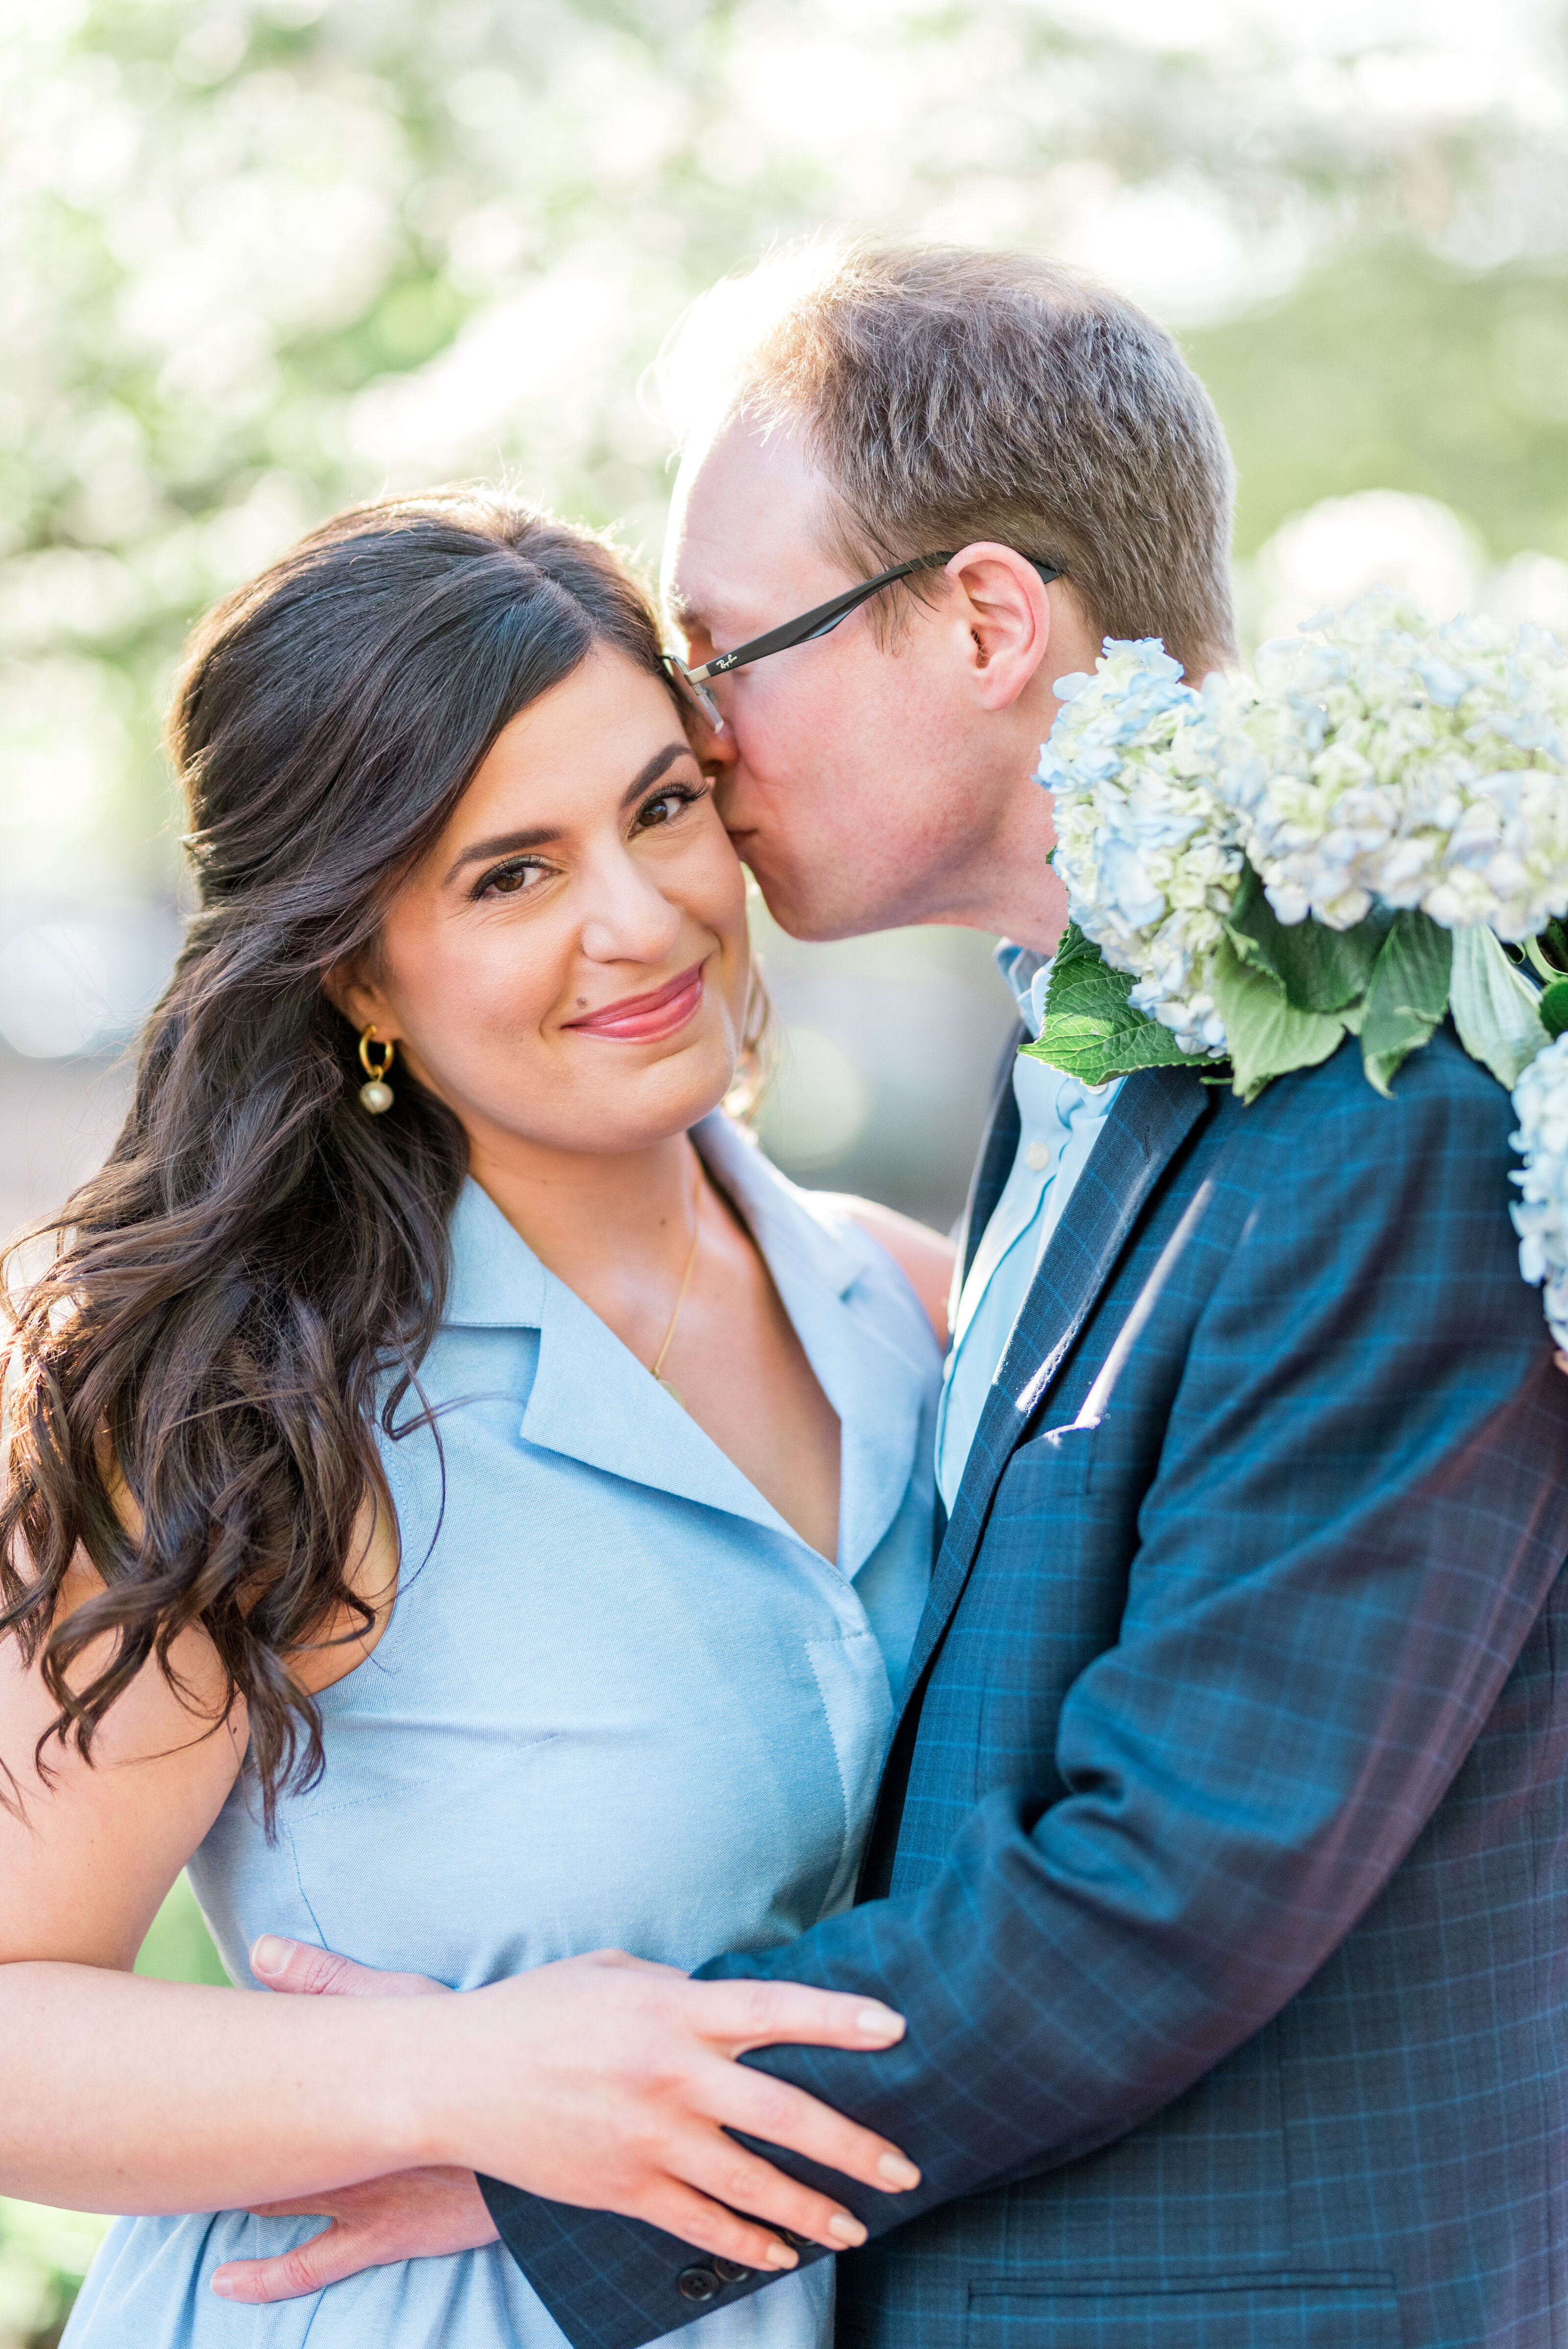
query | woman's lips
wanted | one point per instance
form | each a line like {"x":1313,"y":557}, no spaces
{"x":646,"y":1019}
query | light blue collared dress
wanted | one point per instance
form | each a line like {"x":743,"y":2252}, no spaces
{"x":618,"y":1703}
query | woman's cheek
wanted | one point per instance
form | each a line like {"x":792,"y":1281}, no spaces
{"x":481,"y":1016}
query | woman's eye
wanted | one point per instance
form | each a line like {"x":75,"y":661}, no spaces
{"x":508,"y":881}
{"x":664,"y":808}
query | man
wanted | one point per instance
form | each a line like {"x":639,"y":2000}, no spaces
{"x":1216,"y":1869}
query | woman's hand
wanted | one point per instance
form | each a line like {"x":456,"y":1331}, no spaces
{"x":609,"y":2082}
{"x":415,"y":2214}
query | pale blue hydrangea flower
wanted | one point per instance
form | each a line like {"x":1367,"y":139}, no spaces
{"x":1541,"y":1216}
{"x":1374,"y":758}
{"x":1146,"y":847}
{"x":1381,"y":756}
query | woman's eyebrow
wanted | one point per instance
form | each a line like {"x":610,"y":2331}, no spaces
{"x":514,"y":843}
{"x":653,"y":769}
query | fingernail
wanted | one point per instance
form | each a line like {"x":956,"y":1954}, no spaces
{"x":847,"y":2230}
{"x":223,"y":2286}
{"x":778,"y":2256}
{"x":879,"y":2023}
{"x":269,"y":1955}
{"x":897,"y":2171}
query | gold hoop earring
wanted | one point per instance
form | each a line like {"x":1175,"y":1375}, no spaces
{"x":375,"y":1096}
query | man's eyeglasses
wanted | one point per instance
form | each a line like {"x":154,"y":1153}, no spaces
{"x":694,"y":682}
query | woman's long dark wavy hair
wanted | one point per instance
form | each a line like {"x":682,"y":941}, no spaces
{"x":258,"y":1268}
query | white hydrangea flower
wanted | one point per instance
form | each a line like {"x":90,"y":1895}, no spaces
{"x":1541,"y":1216}
{"x":1380,"y":756}
{"x":1147,"y":849}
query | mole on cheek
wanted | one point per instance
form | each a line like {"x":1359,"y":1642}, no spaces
{"x":582,"y":1003}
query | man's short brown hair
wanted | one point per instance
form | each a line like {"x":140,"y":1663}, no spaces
{"x":951,"y":394}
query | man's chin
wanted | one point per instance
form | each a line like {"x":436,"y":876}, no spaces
{"x":801,"y":912}
{"x":798,"y":902}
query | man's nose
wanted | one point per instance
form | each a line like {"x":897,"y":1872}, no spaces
{"x":717,"y":755}
{"x":719,"y":758}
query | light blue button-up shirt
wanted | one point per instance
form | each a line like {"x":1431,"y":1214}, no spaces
{"x":1059,"y":1123}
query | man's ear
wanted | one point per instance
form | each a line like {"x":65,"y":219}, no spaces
{"x":1002,"y":618}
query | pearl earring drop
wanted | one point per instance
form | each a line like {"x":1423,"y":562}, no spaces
{"x":377,"y":1095}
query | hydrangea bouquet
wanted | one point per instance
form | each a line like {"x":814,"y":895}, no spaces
{"x":1368,"y":834}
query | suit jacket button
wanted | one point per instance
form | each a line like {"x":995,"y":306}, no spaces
{"x":731,"y":2271}
{"x":697,"y":2284}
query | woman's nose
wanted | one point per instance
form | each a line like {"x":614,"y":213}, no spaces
{"x":629,"y":919}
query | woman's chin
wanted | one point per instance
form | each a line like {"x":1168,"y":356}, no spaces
{"x":650,"y":1114}
{"x":624,"y":1108}
{"x":669,"y":1092}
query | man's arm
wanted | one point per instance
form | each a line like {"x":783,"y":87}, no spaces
{"x":1359,"y":1507}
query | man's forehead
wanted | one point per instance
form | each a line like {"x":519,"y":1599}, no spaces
{"x":744,"y":525}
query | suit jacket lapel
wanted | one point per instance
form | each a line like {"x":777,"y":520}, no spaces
{"x":1152,"y":1115}
{"x":997,"y":1152}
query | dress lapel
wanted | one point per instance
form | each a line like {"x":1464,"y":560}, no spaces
{"x":874,"y":1380}
{"x":1152,"y":1115}
{"x":592,"y":1400}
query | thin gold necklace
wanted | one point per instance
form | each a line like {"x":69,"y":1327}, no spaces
{"x":673,"y":1393}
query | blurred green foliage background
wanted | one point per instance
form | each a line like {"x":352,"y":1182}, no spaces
{"x":260,"y":257}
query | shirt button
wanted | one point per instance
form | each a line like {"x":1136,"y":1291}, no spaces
{"x":730,"y":2270}
{"x":1037,"y":1157}
{"x":697,"y":2284}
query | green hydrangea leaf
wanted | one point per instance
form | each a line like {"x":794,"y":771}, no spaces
{"x":1095,"y":1054}
{"x":1408,"y":997}
{"x":1496,"y":1010}
{"x":1091,"y":1031}
{"x":1077,"y":961}
{"x":1553,"y":1008}
{"x":1320,"y":969}
{"x":1268,"y":1035}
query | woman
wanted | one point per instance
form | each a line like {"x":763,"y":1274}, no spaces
{"x":460,"y":1497}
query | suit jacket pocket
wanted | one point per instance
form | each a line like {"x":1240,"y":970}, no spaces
{"x":1062,"y":1458}
{"x":1292,"y":2309}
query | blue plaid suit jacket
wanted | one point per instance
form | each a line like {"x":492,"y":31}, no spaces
{"x":1220,"y":1862}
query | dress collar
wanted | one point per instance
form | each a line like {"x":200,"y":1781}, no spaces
{"x":593,"y":1401}
{"x":496,"y":1281}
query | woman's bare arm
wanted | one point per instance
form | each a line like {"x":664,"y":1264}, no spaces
{"x":108,"y":2083}
{"x":600,"y":2081}
{"x":87,"y":1853}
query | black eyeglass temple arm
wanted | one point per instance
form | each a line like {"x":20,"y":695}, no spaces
{"x":825,"y":617}
{"x":815,"y":623}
